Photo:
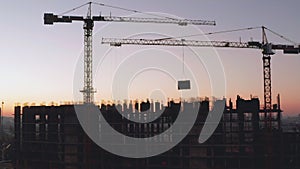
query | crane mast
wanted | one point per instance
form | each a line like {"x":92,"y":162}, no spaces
{"x":267,"y":52}
{"x":88,"y":90}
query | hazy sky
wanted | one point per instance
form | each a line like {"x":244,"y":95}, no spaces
{"x":41,"y":63}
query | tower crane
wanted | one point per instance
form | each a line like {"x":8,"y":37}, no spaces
{"x":88,"y":90}
{"x":266,"y":47}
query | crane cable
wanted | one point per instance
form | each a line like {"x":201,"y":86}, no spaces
{"x":73,"y":9}
{"x":132,"y":10}
{"x":116,"y":7}
{"x":210,"y":33}
{"x":233,"y":30}
{"x":281,"y":36}
{"x":183,"y":61}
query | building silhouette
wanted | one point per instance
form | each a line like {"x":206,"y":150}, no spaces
{"x":50,"y":137}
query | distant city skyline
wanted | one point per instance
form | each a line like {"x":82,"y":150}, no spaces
{"x":38,"y":62}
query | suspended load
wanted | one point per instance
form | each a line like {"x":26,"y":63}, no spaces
{"x":184,"y":84}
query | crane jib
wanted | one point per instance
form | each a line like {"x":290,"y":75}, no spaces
{"x":50,"y":18}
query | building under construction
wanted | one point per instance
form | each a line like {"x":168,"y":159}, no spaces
{"x":50,"y":137}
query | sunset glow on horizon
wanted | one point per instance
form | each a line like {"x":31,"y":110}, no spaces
{"x":42,"y":64}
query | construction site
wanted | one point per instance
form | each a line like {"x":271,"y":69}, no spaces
{"x":52,"y":137}
{"x":249,"y":134}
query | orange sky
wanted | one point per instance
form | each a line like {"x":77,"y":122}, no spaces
{"x":41,"y":63}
